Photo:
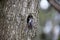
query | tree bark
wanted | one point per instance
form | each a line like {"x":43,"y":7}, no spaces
{"x":13,"y":25}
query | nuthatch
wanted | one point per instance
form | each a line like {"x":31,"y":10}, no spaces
{"x":30,"y":21}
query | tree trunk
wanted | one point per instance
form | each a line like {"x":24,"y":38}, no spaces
{"x":13,"y":25}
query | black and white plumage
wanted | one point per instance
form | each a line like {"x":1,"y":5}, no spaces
{"x":30,"y":21}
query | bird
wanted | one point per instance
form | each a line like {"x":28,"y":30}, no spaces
{"x":30,"y":21}
{"x":44,"y":4}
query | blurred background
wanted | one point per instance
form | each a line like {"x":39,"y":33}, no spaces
{"x":47,"y":19}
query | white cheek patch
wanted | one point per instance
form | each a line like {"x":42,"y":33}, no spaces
{"x":31,"y":20}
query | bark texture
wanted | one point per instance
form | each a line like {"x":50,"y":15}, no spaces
{"x":13,"y":16}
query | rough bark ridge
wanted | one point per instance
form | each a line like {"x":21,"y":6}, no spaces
{"x":14,"y":26}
